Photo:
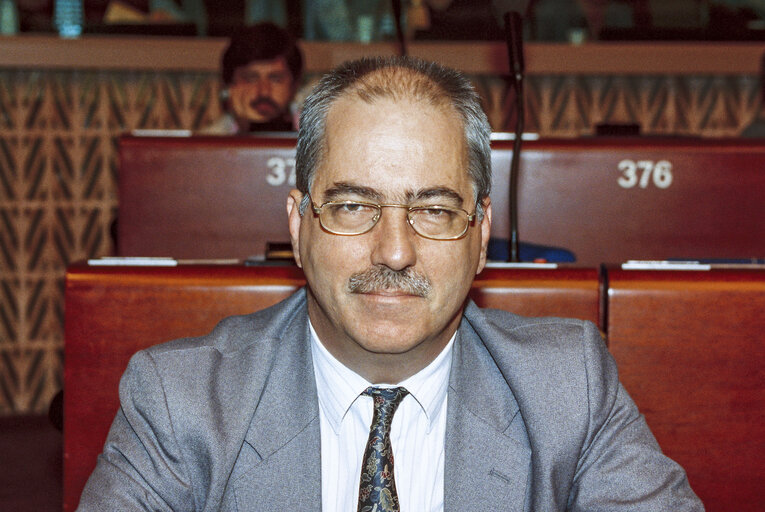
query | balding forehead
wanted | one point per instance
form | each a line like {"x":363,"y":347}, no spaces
{"x":397,"y":84}
{"x":376,"y":121}
{"x":408,"y":102}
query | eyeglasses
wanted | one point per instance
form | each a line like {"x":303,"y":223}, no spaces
{"x":356,"y":218}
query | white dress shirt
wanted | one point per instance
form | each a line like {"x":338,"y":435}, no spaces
{"x":417,"y":432}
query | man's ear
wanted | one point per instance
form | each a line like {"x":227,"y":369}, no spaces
{"x":294,"y":219}
{"x":485,"y":233}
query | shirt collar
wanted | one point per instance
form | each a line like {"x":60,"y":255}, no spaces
{"x":338,"y":386}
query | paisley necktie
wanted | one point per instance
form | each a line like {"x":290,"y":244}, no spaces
{"x":377,"y":490}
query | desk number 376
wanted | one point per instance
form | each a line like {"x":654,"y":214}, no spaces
{"x":642,"y":172}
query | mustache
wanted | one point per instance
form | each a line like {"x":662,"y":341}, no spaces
{"x":380,"y":278}
{"x":263,"y":100}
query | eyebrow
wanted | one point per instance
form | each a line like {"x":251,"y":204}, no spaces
{"x":340,"y":190}
{"x":436,"y":193}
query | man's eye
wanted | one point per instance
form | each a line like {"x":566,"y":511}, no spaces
{"x":437,"y":213}
{"x":348,"y":208}
{"x":353,"y":207}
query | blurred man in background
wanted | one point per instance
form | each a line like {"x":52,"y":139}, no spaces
{"x":261,"y":71}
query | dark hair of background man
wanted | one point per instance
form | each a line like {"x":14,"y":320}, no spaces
{"x":264,"y":41}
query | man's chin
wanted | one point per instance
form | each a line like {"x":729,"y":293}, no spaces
{"x":267,"y":115}
{"x":391,"y":332}
{"x":390,"y":342}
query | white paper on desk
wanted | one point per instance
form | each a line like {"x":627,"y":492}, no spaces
{"x":114,"y":261}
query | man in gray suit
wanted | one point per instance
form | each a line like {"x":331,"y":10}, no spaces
{"x":302,"y":406}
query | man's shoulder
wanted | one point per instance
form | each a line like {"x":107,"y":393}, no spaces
{"x":228,"y":367}
{"x":224,"y":125}
{"x":526,"y":330}
{"x":537,"y":349}
{"x":558,"y":370}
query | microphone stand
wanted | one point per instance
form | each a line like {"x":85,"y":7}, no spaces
{"x":399,"y":29}
{"x":514,"y":39}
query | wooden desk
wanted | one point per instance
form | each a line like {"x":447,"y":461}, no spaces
{"x":567,"y":292}
{"x":690,"y":347}
{"x":701,"y":198}
{"x":112,"y":312}
{"x":607,"y":200}
{"x":203,"y":197}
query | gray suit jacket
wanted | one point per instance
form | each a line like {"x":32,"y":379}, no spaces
{"x":536,"y":421}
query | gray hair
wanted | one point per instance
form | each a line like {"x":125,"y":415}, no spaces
{"x":395,"y":77}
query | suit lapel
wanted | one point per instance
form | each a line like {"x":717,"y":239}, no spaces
{"x":488,"y":457}
{"x":281,"y":455}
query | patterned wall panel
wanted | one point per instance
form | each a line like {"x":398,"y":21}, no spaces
{"x":571,"y":106}
{"x":58,"y":171}
{"x":58,"y":174}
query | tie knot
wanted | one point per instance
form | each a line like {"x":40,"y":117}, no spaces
{"x":386,"y":399}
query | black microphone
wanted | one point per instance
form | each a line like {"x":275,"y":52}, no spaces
{"x":514,"y":10}
{"x":399,"y":28}
{"x":514,"y":34}
{"x":513,"y":21}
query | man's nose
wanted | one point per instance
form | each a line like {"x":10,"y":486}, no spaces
{"x":395,"y":240}
{"x":264,"y":86}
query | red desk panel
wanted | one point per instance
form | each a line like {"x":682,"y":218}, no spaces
{"x":607,"y":200}
{"x":690,"y":346}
